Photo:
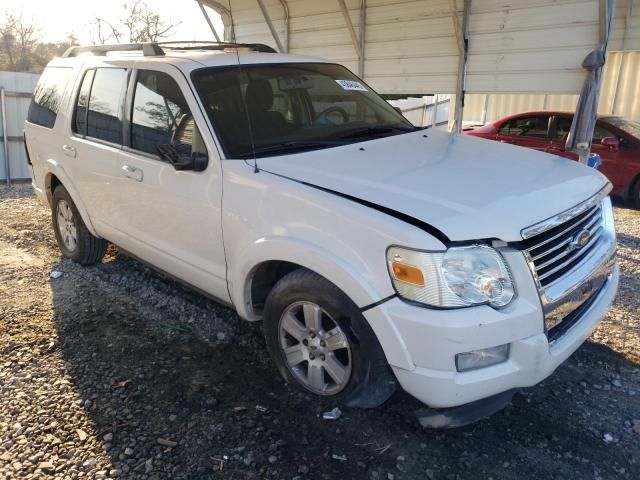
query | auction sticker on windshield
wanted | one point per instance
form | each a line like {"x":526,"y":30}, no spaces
{"x":351,"y":85}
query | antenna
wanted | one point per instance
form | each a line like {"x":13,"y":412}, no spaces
{"x":244,"y":101}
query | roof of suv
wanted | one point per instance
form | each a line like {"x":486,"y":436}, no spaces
{"x":191,"y":56}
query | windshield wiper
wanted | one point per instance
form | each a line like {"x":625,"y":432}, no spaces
{"x":291,"y":146}
{"x":378,"y":130}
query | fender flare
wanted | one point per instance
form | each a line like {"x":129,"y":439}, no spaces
{"x":54,"y":168}
{"x":323,"y":262}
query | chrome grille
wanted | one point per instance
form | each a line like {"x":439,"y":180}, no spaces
{"x":554,"y":252}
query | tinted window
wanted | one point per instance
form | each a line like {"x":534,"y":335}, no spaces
{"x":600,"y":132}
{"x":292,"y":107}
{"x":530,"y":127}
{"x":161,"y":116}
{"x":80,"y":118}
{"x":105,"y":105}
{"x":563,"y":127}
{"x":48,"y":95}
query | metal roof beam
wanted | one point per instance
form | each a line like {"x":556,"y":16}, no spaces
{"x":274,"y":33}
{"x":352,"y":31}
{"x":206,"y":17}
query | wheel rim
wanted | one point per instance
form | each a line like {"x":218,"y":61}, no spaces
{"x":315,"y":348}
{"x":67,"y":225}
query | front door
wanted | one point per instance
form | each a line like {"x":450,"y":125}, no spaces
{"x":170,"y":218}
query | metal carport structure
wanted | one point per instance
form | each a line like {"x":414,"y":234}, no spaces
{"x":417,"y":47}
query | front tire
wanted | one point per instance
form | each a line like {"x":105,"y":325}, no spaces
{"x":74,"y":239}
{"x":321,"y":342}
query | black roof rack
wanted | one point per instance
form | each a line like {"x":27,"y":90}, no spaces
{"x":156,"y":49}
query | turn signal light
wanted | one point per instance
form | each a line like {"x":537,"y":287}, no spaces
{"x":407,"y":273}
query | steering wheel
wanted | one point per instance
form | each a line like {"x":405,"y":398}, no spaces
{"x":334,"y":108}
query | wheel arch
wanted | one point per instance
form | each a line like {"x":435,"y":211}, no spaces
{"x":267,"y":260}
{"x":55,"y":176}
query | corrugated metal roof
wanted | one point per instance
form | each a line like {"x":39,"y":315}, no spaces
{"x":523,"y":46}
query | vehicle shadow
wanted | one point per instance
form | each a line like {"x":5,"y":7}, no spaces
{"x":133,"y":348}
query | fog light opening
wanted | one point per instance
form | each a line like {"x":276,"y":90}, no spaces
{"x":482,"y":358}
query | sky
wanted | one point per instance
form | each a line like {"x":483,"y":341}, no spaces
{"x":56,"y":19}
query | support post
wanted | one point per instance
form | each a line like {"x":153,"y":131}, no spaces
{"x":5,"y":136}
{"x":363,"y":28}
{"x":483,"y":118}
{"x":434,"y":116}
{"x":285,"y":7}
{"x":352,"y":31}
{"x":206,"y":17}
{"x":267,"y":19}
{"x":623,"y":58}
{"x":463,"y":47}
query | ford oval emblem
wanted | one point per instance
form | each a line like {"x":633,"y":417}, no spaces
{"x":579,"y":239}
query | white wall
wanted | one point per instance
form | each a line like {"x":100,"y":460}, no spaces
{"x":622,"y":72}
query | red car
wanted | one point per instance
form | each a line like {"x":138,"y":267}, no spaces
{"x":615,"y":139}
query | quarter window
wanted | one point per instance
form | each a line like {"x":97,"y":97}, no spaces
{"x":48,"y":96}
{"x":104,"y":119}
{"x":160,"y":116}
{"x":530,"y":127}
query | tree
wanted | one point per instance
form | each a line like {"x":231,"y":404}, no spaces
{"x":139,"y":24}
{"x":19,"y":40}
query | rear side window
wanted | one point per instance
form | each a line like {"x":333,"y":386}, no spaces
{"x":160,"y":116}
{"x":47,"y":96}
{"x":104,"y":116}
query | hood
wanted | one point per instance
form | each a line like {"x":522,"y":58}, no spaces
{"x":466,"y":187}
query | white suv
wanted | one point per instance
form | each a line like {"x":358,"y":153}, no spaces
{"x":285,"y":187}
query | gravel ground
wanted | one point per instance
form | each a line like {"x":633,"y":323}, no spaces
{"x":114,"y":371}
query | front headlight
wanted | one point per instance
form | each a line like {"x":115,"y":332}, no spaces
{"x":458,"y":277}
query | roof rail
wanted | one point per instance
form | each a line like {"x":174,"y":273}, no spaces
{"x":149,"y":49}
{"x":155,"y":49}
{"x":206,"y":45}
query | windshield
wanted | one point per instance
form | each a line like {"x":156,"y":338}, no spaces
{"x":632,"y":128}
{"x":292,"y":107}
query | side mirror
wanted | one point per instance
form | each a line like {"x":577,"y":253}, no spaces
{"x":612,"y":142}
{"x":196,"y":162}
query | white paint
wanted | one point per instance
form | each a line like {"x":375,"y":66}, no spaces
{"x":466,"y":187}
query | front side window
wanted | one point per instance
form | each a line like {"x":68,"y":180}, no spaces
{"x":632,"y":128}
{"x":530,"y":127}
{"x":267,"y":110}
{"x":563,"y":127}
{"x":104,"y":117}
{"x":48,"y":95}
{"x":160,"y":116}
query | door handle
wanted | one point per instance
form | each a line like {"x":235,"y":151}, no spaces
{"x":132,"y":172}
{"x":69,"y":151}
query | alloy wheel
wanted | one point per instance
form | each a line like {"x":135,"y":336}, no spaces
{"x":315,"y":348}
{"x":67,"y":225}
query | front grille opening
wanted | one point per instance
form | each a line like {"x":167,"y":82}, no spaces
{"x":551,"y":251}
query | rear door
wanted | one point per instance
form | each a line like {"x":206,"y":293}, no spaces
{"x":531,"y":131}
{"x":94,"y":143}
{"x":167,"y":217}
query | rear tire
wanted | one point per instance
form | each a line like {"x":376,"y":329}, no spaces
{"x":321,"y":342}
{"x":74,"y":239}
{"x":635,"y":194}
